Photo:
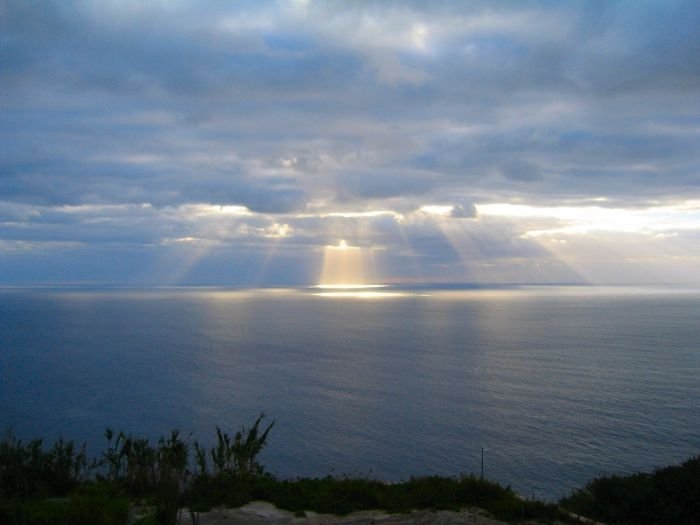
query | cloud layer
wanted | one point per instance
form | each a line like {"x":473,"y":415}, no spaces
{"x":244,"y":137}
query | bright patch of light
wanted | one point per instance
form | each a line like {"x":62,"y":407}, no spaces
{"x":361,"y":295}
{"x":348,"y":286}
{"x":288,"y":162}
{"x":278,"y":231}
{"x":356,"y":291}
{"x":198,"y":210}
{"x":232,"y":210}
{"x":442,"y":211}
{"x":361,"y":214}
{"x":345,"y":265}
{"x":419,"y":35}
{"x":102,"y":208}
{"x":586,"y":219}
{"x":191,"y":241}
{"x":342,"y":245}
{"x":182,"y":239}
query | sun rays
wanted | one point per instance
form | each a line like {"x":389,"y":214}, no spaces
{"x":346,"y":267}
{"x":484,"y":244}
{"x":349,"y":273}
{"x":603,"y":245}
{"x":493,"y":251}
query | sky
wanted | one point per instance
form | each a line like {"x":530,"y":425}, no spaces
{"x":264,"y":143}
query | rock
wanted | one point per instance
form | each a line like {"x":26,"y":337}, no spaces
{"x":265,"y":513}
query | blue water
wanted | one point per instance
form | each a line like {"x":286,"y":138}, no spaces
{"x":557,"y":384}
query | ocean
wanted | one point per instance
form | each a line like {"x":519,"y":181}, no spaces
{"x":556,"y":384}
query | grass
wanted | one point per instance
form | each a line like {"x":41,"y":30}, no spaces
{"x":29,"y":470}
{"x":669,"y":495}
{"x":346,"y":495}
{"x":89,"y":504}
{"x":58,"y":485}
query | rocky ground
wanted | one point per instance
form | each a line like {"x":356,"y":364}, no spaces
{"x":263,"y":513}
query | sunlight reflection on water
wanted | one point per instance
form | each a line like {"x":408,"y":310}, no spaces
{"x":559,"y":383}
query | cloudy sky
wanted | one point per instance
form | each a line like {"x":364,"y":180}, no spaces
{"x":173,"y":142}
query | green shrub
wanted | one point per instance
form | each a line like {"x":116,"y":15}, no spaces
{"x":669,"y":495}
{"x":345,"y":495}
{"x":515,"y":510}
{"x":28,"y":470}
{"x":41,"y":484}
{"x":91,"y":504}
{"x":235,"y":456}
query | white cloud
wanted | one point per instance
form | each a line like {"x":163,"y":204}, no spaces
{"x":582,"y":220}
{"x":285,"y":126}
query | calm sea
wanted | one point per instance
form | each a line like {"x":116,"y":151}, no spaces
{"x":557,"y":384}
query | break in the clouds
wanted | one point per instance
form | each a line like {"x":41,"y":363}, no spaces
{"x":216,"y":142}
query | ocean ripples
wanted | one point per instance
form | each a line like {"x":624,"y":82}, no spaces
{"x":558,"y":385}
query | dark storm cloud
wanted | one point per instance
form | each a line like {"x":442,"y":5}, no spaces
{"x":508,"y":67}
{"x":308,"y":107}
{"x":380,"y":184}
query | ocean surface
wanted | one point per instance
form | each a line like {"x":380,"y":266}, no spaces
{"x":557,"y":384}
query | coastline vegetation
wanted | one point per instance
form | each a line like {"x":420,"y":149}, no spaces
{"x":669,"y":495}
{"x":60,"y":485}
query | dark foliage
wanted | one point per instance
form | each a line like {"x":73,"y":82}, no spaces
{"x":235,"y":457}
{"x":32,"y":476}
{"x":59,"y":485}
{"x":29,"y":470}
{"x":345,"y":495}
{"x":669,"y":495}
{"x":90,"y":504}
